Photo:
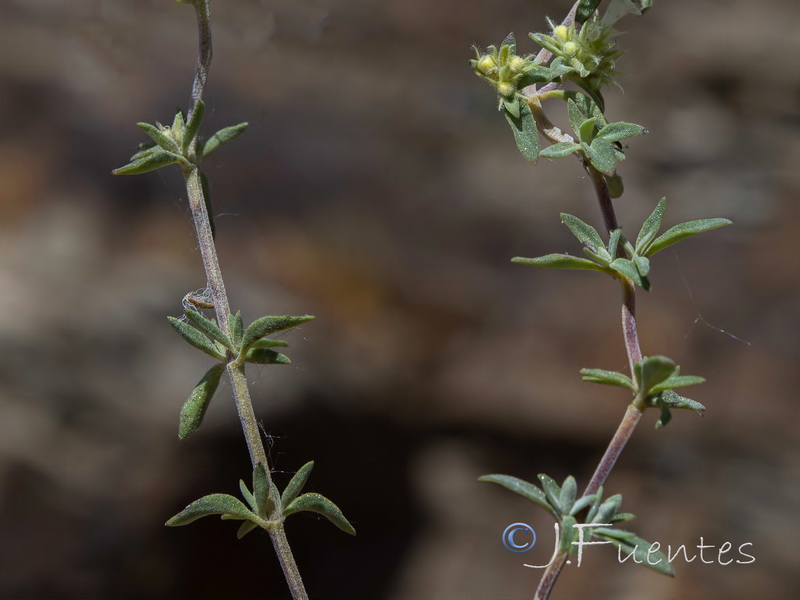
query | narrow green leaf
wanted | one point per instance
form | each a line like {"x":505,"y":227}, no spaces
{"x":623,"y":517}
{"x":319,"y":504}
{"x":559,"y":67}
{"x":194,"y":409}
{"x":585,"y":233}
{"x":237,"y":329}
{"x":261,"y":489}
{"x":160,"y":137}
{"x":523,"y":488}
{"x":619,"y":8}
{"x":675,"y":400}
{"x":193,"y":125}
{"x":683,"y":231}
{"x":575,"y":111}
{"x":650,"y":228}
{"x":196,"y":338}
{"x":569,"y":491}
{"x":642,"y":265}
{"x":247,"y":495}
{"x":568,"y":535}
{"x":653,"y":370}
{"x":627,"y":269}
{"x":601,"y":155}
{"x":608,"y":509}
{"x":595,"y":506}
{"x":586,"y":130}
{"x":585,"y":10}
{"x":150,"y":160}
{"x":223,"y":136}
{"x":535,"y":74}
{"x":602,"y":258}
{"x":264,"y":356}
{"x":613,"y":242}
{"x":559,"y":261}
{"x":525,"y":133}
{"x":178,"y":124}
{"x":213,"y":504}
{"x":582,"y":503}
{"x":614,"y":132}
{"x":613,"y":532}
{"x":642,"y":552}
{"x":615,"y":186}
{"x":545,"y":41}
{"x":208,"y":327}
{"x":145,"y":149}
{"x":551,"y":491}
{"x":559,"y":150}
{"x":607,"y":378}
{"x":266,"y":325}
{"x":512,"y":105}
{"x":676,"y":381}
{"x":295,"y":486}
{"x":268,"y":343}
{"x":511,"y":47}
{"x":245,"y":528}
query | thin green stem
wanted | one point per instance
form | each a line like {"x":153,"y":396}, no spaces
{"x":235,"y":370}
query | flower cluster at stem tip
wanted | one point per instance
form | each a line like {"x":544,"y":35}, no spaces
{"x":590,"y":51}
{"x":502,"y":68}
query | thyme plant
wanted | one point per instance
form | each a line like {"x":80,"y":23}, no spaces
{"x":574,"y":65}
{"x":223,"y":336}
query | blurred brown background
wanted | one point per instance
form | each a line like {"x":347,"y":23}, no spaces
{"x":378,"y":189}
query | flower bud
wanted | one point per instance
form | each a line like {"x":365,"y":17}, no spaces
{"x":486,"y":63}
{"x":506,"y":89}
{"x":570,"y":48}
{"x":561,"y":33}
{"x":517,"y":63}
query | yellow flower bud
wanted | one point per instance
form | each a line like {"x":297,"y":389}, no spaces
{"x":516,"y":63}
{"x":506,"y":89}
{"x":570,"y":48}
{"x":486,"y":63}
{"x":561,"y":33}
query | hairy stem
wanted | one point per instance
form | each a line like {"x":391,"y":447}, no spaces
{"x":235,"y":370}
{"x":633,"y":413}
{"x":204,"y":53}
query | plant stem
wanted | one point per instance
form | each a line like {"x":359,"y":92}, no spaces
{"x":235,"y":370}
{"x":204,"y":54}
{"x":633,"y":413}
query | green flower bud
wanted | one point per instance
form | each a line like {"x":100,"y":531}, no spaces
{"x":570,"y":49}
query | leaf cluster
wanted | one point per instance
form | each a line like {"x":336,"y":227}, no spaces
{"x":173,"y":144}
{"x":564,"y":505}
{"x":618,"y":257}
{"x":249,"y":345}
{"x":653,"y":385}
{"x":583,"y":53}
{"x":266,"y":507}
